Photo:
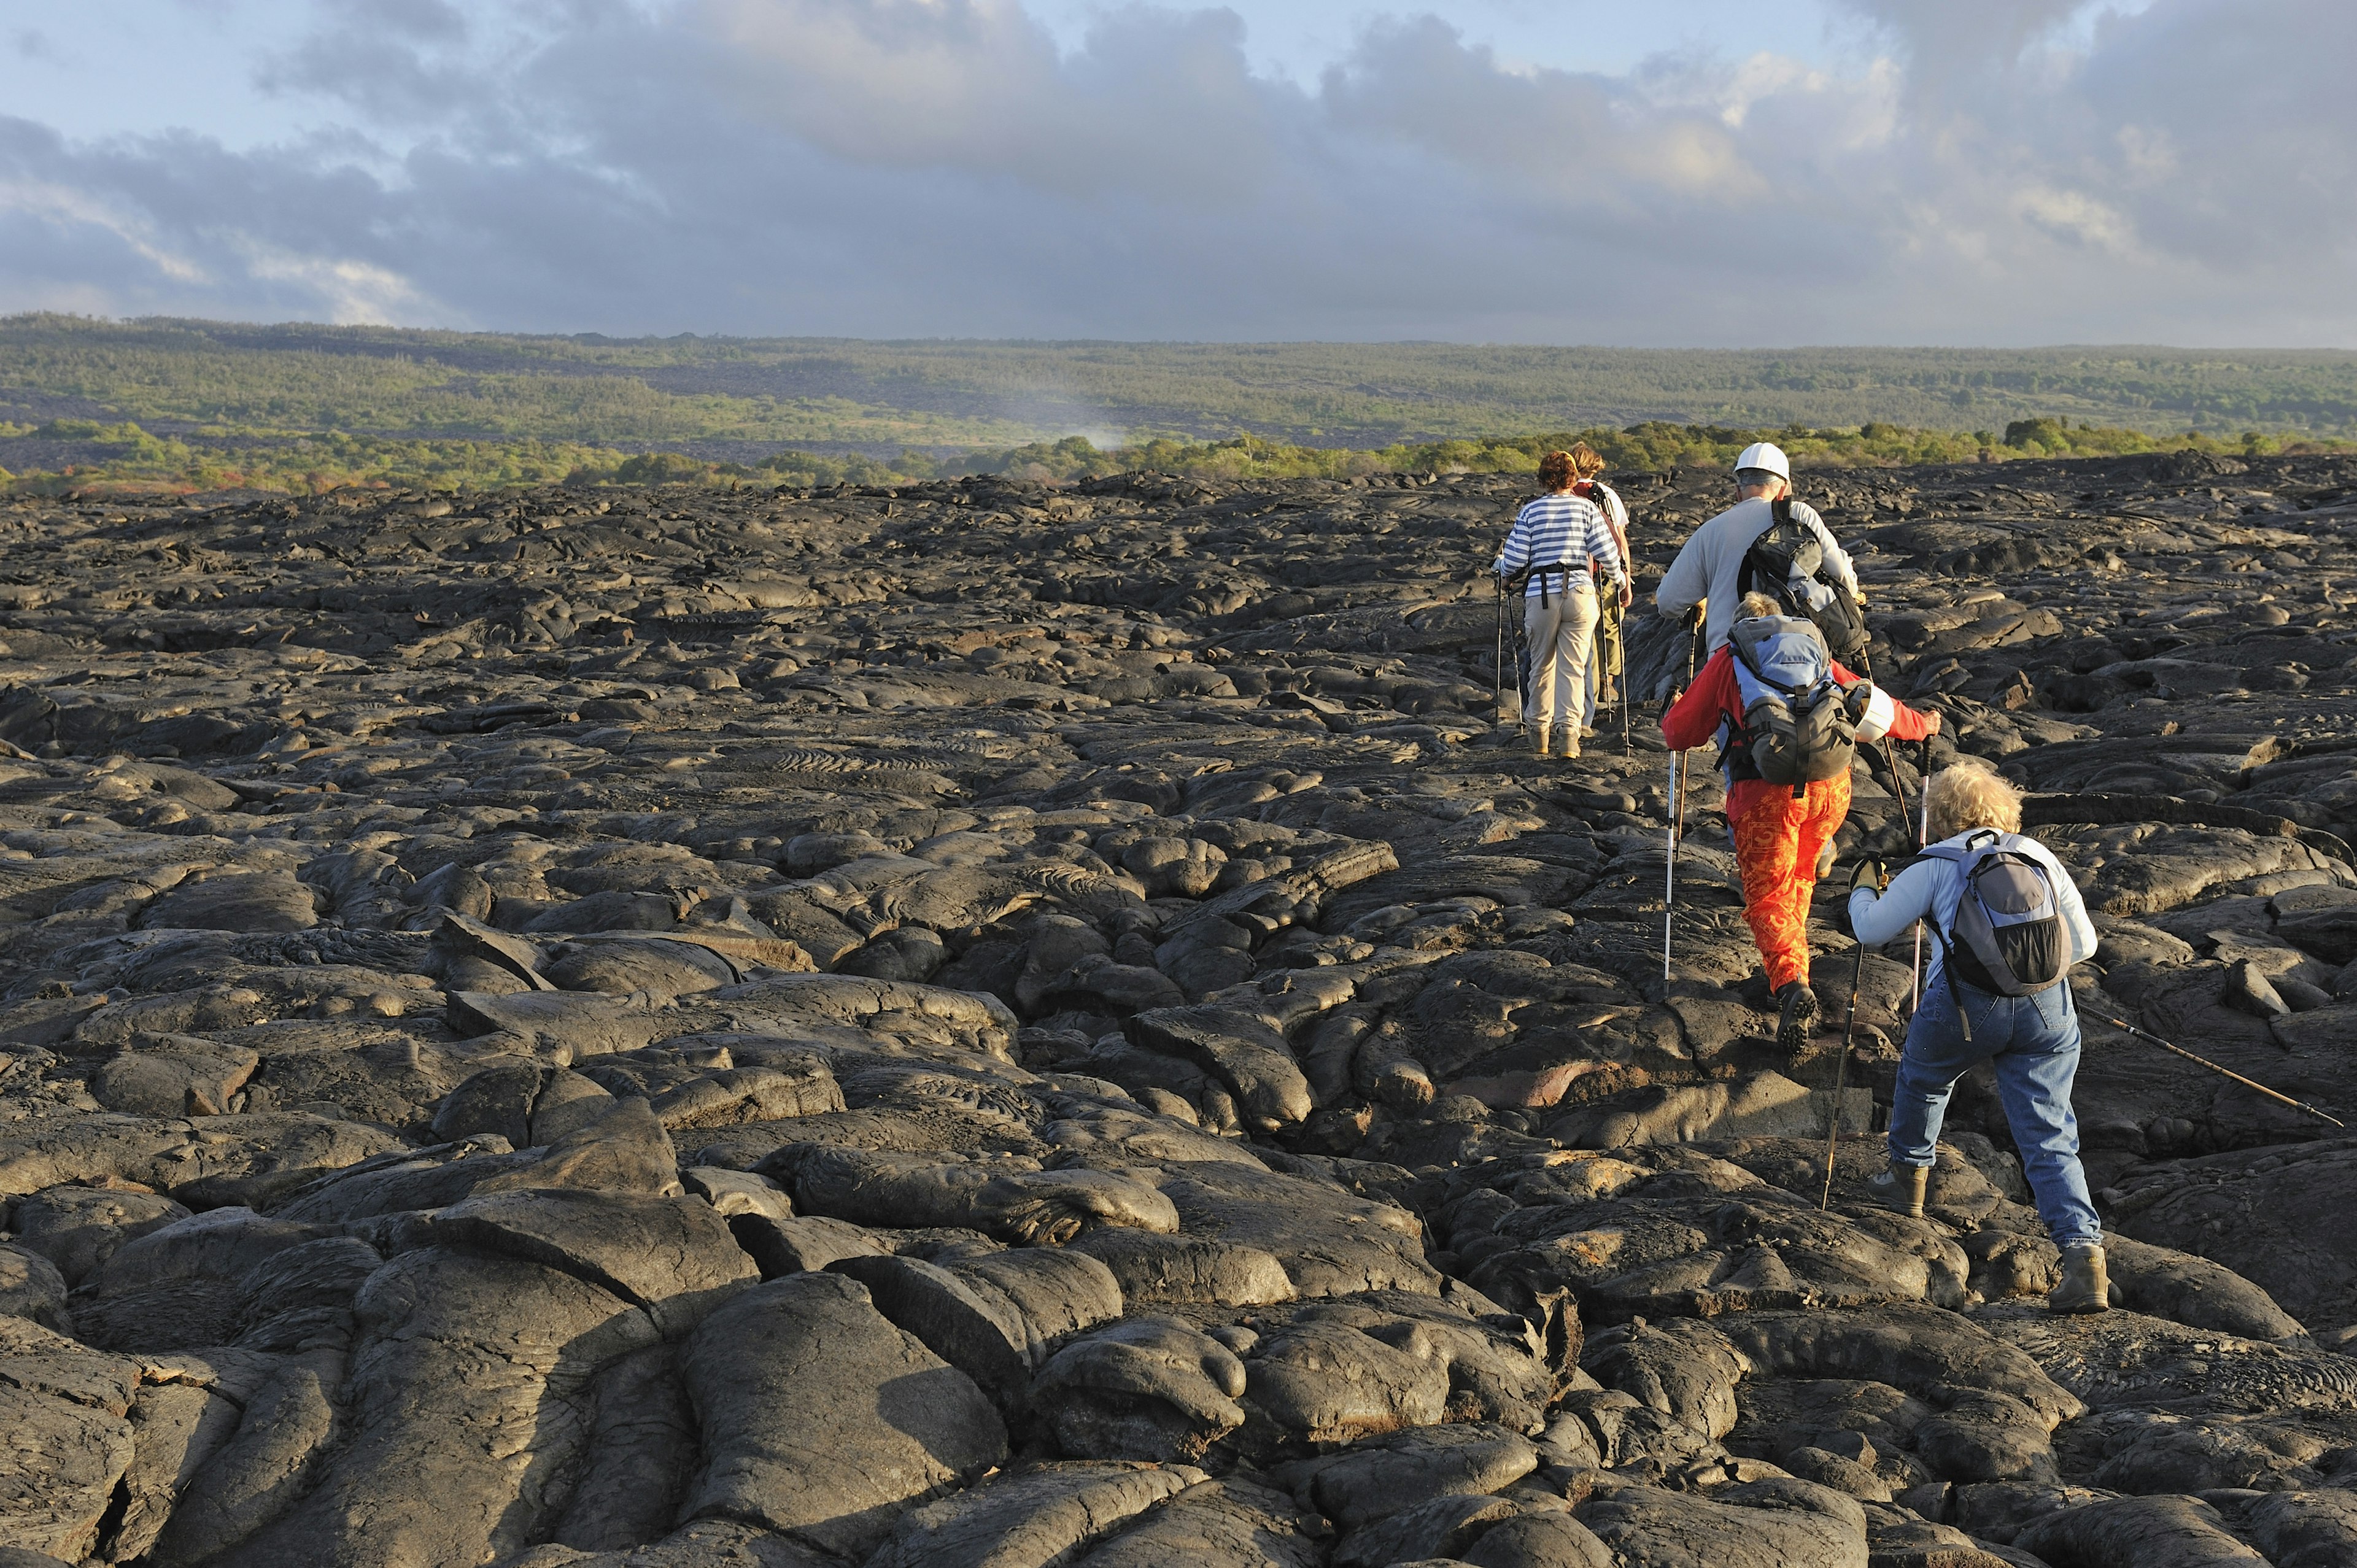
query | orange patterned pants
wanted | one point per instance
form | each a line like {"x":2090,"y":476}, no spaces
{"x":1777,"y":841}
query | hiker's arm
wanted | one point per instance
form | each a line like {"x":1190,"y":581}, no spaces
{"x":1908,"y":900}
{"x":1686,"y":584}
{"x":1601,"y":546}
{"x":1616,"y":518}
{"x":1694,"y":719}
{"x":1517,"y":552}
{"x":1906,"y":723}
{"x":1909,"y":724}
{"x":2075,"y":915}
{"x":1837,"y":559}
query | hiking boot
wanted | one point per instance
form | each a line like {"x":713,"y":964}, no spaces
{"x":1566,"y":740}
{"x":1539,"y":735}
{"x":1800,"y":1005}
{"x":1900,"y":1187}
{"x":2086,"y":1284}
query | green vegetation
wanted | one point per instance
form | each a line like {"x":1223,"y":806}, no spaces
{"x":137,"y":461}
{"x":383,"y":380}
{"x":1652,"y":445}
{"x":181,"y":405}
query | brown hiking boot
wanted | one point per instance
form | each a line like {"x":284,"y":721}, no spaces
{"x":1902,"y":1186}
{"x":1566,"y":740}
{"x":2086,"y":1283}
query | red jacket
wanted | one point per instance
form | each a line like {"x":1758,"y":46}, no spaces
{"x":1714,"y":699}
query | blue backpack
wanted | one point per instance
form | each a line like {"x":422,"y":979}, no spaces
{"x":1798,"y":726}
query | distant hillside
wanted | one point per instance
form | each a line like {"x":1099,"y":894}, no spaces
{"x":742,"y":399}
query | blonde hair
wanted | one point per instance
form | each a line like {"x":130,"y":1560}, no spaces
{"x":1757,"y":604}
{"x":1971,"y":794}
{"x":1584,"y":460}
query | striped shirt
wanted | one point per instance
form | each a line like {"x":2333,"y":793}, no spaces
{"x":1563,"y":530}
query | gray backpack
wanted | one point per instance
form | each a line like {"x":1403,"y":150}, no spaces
{"x":2008,"y":938}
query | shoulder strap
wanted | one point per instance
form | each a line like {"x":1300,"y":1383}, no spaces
{"x":1960,"y":854}
{"x":1742,"y":655}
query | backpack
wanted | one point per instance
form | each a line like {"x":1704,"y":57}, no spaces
{"x":2008,"y":937}
{"x":1787,"y":563}
{"x":1798,"y":724}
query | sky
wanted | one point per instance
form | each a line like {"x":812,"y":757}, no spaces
{"x":1683,"y":172}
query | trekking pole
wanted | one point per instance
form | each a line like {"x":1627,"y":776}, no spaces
{"x":1686,"y":785}
{"x":1923,"y":837}
{"x":1841,"y":1070}
{"x":1498,"y":667}
{"x":1670,"y":887}
{"x":2152,"y":1040}
{"x":1627,"y":746}
{"x":1897,"y":784}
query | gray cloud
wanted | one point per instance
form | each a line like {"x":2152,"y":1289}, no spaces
{"x":904,"y":168}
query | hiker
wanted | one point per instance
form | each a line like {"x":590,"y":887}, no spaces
{"x":1559,"y":539}
{"x":1788,"y":719}
{"x":2007,"y":924}
{"x":1730,"y":555}
{"x":1605,"y":669}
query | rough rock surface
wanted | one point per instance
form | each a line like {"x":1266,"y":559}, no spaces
{"x":997,"y":1026}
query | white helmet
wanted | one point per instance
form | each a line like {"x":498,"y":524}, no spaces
{"x":1767,"y":456}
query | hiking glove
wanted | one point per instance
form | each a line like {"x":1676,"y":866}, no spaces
{"x":1693,"y":617}
{"x":1867,"y":872}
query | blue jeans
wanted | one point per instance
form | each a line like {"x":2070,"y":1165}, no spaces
{"x":2034,"y":1043}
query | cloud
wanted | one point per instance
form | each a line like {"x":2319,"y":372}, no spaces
{"x":2030,"y":171}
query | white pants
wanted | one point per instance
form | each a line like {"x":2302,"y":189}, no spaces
{"x":1561,"y":632}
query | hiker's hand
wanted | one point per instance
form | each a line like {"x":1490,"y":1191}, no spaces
{"x":1930,"y":725}
{"x":1628,"y":596}
{"x":1498,"y":567}
{"x":1691,"y":618}
{"x":1867,"y":873}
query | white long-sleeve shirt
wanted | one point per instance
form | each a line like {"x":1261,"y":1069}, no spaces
{"x":1710,"y":566}
{"x":1932,"y":888}
{"x":1563,"y":529}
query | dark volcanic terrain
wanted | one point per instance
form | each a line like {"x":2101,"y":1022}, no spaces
{"x":990,"y":1027}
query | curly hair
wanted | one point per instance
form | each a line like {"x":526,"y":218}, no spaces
{"x":1971,"y":794}
{"x":1557,"y":470}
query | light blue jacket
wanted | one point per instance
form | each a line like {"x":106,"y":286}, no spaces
{"x":1932,"y":888}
